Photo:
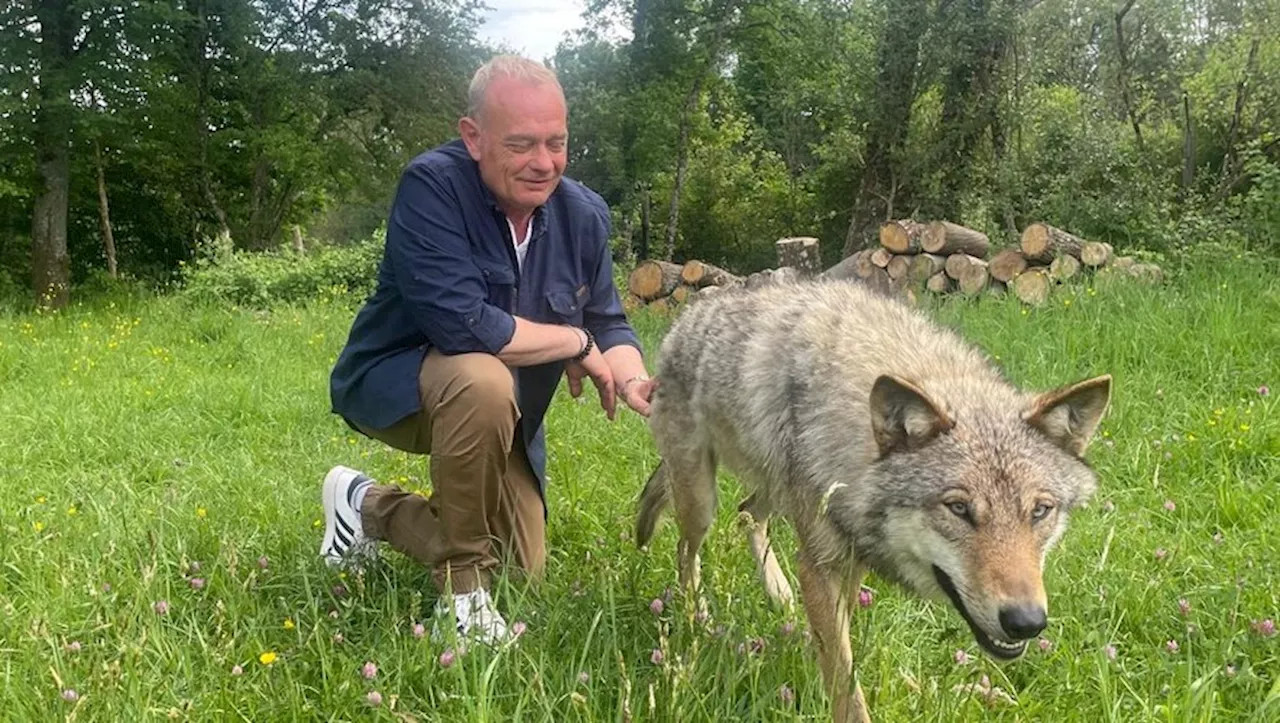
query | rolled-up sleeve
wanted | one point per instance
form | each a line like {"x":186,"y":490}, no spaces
{"x":603,"y":313}
{"x":435,"y":271}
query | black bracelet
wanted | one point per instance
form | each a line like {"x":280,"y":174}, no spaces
{"x":591,"y":342}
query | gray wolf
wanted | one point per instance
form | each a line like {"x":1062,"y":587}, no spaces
{"x":889,"y":443}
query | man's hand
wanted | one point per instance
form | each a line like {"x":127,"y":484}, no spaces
{"x":597,"y":368}
{"x":637,"y":392}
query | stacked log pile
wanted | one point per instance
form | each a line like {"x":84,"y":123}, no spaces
{"x":938,"y":256}
{"x":944,"y":257}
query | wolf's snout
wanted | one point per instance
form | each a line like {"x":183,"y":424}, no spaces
{"x":1021,"y":622}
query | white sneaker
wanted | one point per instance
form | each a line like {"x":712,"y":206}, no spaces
{"x":476,"y":618}
{"x":344,"y":537}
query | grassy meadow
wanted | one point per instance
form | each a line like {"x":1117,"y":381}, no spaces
{"x":161,"y":517}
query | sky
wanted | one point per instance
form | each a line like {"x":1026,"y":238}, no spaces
{"x":532,"y":27}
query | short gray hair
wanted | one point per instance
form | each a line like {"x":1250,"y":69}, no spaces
{"x":506,"y":66}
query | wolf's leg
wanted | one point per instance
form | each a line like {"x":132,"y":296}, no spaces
{"x":826,"y":601}
{"x":754,"y":516}
{"x":692,"y":479}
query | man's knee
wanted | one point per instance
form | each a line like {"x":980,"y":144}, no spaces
{"x":477,"y":386}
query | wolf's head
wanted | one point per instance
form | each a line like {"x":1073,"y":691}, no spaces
{"x":972,"y":494}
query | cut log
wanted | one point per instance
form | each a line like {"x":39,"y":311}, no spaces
{"x":848,"y":267}
{"x":662,"y":306}
{"x":899,"y":267}
{"x":1006,"y":265}
{"x":700,"y":273}
{"x":939,"y":283}
{"x":772,"y":276}
{"x":1096,"y":254}
{"x":973,"y":279}
{"x":654,"y":279}
{"x":1064,"y":267}
{"x":1032,"y":286}
{"x":925,"y":265}
{"x":881,"y":257}
{"x":880,"y":281}
{"x":902,"y":237}
{"x":1041,"y":242}
{"x":800,"y":253}
{"x":681,"y":294}
{"x":1146,"y":272}
{"x":944,"y":237}
{"x":1123,"y":263}
{"x":957,"y":263}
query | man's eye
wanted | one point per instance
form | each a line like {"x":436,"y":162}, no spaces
{"x":520,"y":147}
{"x":556,"y":146}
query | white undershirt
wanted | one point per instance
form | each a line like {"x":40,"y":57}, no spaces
{"x":522,"y":247}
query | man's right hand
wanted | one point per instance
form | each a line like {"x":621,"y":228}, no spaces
{"x":597,"y":368}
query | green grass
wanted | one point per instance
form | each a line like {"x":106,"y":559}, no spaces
{"x":143,"y":434}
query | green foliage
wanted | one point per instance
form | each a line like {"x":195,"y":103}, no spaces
{"x":261,"y":280}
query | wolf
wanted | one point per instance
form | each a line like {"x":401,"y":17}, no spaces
{"x":886,"y":440}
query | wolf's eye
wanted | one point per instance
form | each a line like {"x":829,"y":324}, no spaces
{"x":1040,"y":512}
{"x":959,"y":509}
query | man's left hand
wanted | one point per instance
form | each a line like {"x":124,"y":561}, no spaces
{"x":637,"y":393}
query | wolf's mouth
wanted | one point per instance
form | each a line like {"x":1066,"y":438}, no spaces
{"x":1004,"y":650}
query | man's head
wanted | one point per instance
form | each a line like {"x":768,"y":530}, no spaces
{"x":516,"y":129}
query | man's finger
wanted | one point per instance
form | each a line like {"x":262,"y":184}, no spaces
{"x":607,"y":398}
{"x":575,"y":386}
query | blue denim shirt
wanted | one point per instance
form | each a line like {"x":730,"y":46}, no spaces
{"x":449,"y":280}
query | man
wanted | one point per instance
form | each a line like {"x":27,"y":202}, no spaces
{"x":496,"y":279}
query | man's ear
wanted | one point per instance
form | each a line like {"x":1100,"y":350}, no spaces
{"x":903,"y":417}
{"x":469,"y":129}
{"x":1069,"y":416}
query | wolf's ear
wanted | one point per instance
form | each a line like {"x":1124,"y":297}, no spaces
{"x":902,"y":416}
{"x":1069,"y":416}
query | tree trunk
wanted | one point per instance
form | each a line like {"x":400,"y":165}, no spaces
{"x":1242,"y":94}
{"x":298,"y":246}
{"x":1096,"y":254}
{"x":897,"y":58}
{"x":50,"y":263}
{"x":957,"y":263}
{"x":973,"y":279}
{"x":939,"y":283}
{"x":1188,"y":146}
{"x":1123,"y":73}
{"x":646,"y":201}
{"x":924,"y":266}
{"x":104,"y":213}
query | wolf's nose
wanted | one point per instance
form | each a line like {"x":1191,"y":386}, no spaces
{"x":1023,"y":621}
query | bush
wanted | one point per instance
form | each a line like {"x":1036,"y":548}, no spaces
{"x":261,"y":280}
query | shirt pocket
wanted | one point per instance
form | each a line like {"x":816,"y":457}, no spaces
{"x":564,"y":306}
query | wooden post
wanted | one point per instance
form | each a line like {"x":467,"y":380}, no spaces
{"x":800,"y":253}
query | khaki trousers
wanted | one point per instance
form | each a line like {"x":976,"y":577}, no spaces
{"x":484,"y":507}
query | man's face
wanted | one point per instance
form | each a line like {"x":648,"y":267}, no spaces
{"x":519,"y":142}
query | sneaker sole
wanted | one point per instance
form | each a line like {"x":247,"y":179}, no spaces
{"x":336,"y":477}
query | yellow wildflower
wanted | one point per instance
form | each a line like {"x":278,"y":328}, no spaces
{"x":41,"y":500}
{"x":72,"y":510}
{"x":288,"y":624}
{"x":38,"y":525}
{"x":267,"y":658}
{"x":201,"y":512}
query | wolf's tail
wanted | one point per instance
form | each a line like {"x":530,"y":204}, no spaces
{"x":656,"y":496}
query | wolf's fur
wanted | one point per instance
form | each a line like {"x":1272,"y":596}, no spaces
{"x":888,"y":443}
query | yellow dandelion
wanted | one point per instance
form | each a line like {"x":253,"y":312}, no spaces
{"x":41,"y":500}
{"x":316,"y":523}
{"x":267,"y":658}
{"x":201,"y":512}
{"x":288,"y":623}
{"x":1244,"y":428}
{"x":72,"y":510}
{"x":1191,"y":437}
{"x":38,"y":525}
